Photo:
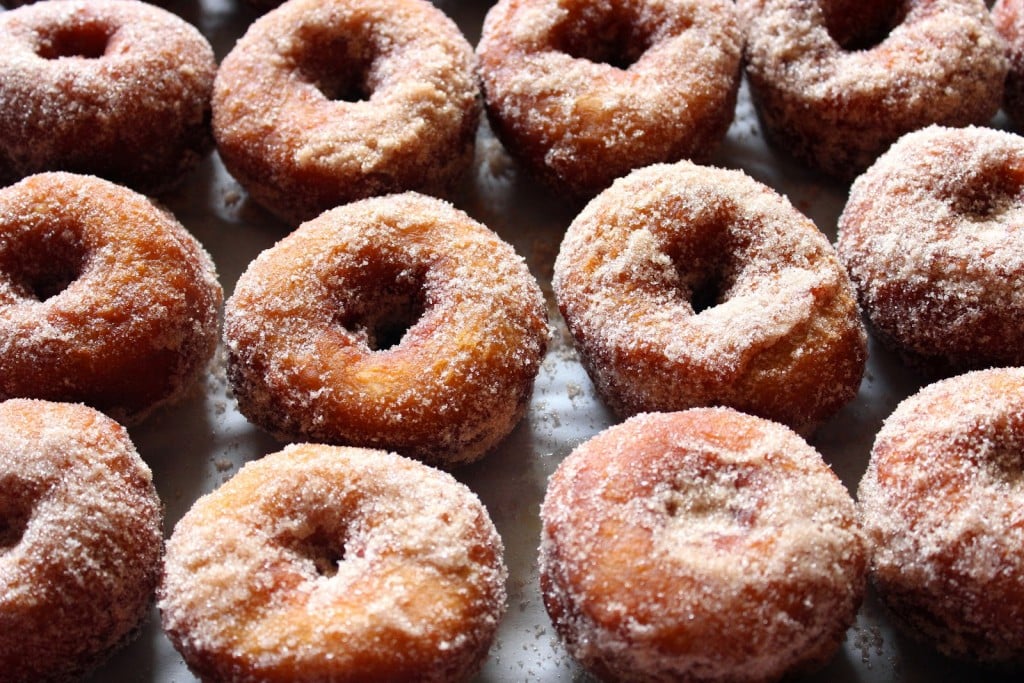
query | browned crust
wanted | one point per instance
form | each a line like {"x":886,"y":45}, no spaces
{"x":328,"y":563}
{"x":705,"y":545}
{"x":136,"y":320}
{"x":1008,"y":18}
{"x":838,"y":109}
{"x":300,"y":337}
{"x":783,"y":339}
{"x":941,"y":501}
{"x":79,"y":565}
{"x":298,"y":152}
{"x":930,"y":235}
{"x":579,"y":122}
{"x":136,"y":112}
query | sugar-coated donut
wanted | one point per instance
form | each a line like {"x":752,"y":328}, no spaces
{"x":1008,"y":17}
{"x":582,"y":92}
{"x":397,"y":322}
{"x":115,"y":88}
{"x":326,"y":101}
{"x":704,"y":545}
{"x":104,"y":298}
{"x":931,"y":237}
{"x":943,"y":504}
{"x":685,"y":286}
{"x":326,"y":563}
{"x":835,"y":82}
{"x":80,"y":539}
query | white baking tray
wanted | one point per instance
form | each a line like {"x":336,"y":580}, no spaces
{"x":196,"y":445}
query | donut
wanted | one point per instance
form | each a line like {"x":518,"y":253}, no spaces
{"x":836,"y":82}
{"x":395,"y":322}
{"x":1008,"y":18}
{"x":323,"y":102}
{"x":114,"y":88}
{"x":582,"y":92}
{"x":942,"y":502}
{"x":687,"y":286}
{"x":702,"y":545}
{"x":80,"y":539}
{"x":930,"y":237}
{"x":105,"y":299}
{"x":330,"y":563}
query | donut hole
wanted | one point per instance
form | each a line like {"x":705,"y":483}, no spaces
{"x":85,"y":41}
{"x":52,"y":278}
{"x":12,"y":527}
{"x":603,"y":35}
{"x":341,"y":69}
{"x":323,"y":549}
{"x":708,"y":292}
{"x":385,"y":306}
{"x":704,"y":252}
{"x":704,"y":266}
{"x":858,"y":25}
{"x":700,"y":524}
{"x":1000,"y":450}
{"x":987,"y":196}
{"x":1006,"y":464}
{"x":708,"y":504}
{"x":17,"y":502}
{"x":46,"y":265}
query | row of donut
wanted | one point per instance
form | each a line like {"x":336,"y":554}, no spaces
{"x":314,"y":563}
{"x":323,"y":102}
{"x":705,"y":545}
{"x":393,"y":321}
{"x":399,"y":322}
{"x":684,"y":285}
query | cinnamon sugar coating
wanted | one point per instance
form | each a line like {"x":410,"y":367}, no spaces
{"x":323,"y":102}
{"x":686,"y":286}
{"x":104,"y":298}
{"x":943,"y":503}
{"x":1008,"y":17}
{"x":329,"y":563}
{"x":582,"y":92}
{"x":80,"y":540}
{"x":706,"y":545}
{"x":835,"y":82}
{"x":115,"y":88}
{"x":931,"y":235}
{"x":396,"y":322}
